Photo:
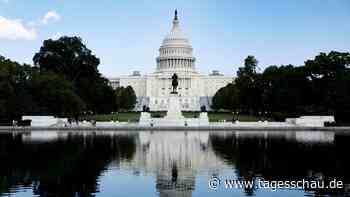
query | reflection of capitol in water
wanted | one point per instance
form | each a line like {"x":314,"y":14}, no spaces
{"x":160,"y":151}
{"x":175,"y":158}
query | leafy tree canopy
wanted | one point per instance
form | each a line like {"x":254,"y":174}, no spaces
{"x":328,"y":65}
{"x":67,"y":56}
{"x":125,"y":98}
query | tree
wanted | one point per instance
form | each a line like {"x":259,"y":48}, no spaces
{"x":286,"y":89}
{"x":15,"y":99}
{"x":67,"y":56}
{"x":118,"y":97}
{"x":342,"y":100}
{"x":250,"y":64}
{"x":102,"y":97}
{"x":25,"y":90}
{"x":71,"y":59}
{"x":226,"y":98}
{"x":56,"y":96}
{"x":329,"y":74}
{"x":125,"y":98}
{"x":129,"y":98}
{"x":248,"y":83}
{"x":327,"y":66}
{"x":7,"y":87}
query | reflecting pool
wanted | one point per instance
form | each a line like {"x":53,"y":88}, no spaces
{"x":174,"y":164}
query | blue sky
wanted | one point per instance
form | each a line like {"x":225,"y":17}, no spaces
{"x":126,"y":34}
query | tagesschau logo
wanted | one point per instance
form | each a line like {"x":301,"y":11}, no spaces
{"x":214,"y":183}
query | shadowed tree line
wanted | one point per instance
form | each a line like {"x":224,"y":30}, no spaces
{"x":64,"y":81}
{"x":320,"y":87}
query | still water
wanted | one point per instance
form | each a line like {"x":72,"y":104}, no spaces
{"x":171,"y":164}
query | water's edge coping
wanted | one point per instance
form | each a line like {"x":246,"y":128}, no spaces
{"x":5,"y":129}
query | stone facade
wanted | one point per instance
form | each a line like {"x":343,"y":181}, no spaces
{"x":175,"y":56}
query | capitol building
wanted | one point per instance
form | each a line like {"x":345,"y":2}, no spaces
{"x":175,"y":56}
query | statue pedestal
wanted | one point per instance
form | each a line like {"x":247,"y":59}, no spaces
{"x":203,"y":118}
{"x":174,"y":109}
{"x":174,"y":116}
{"x":145,"y":118}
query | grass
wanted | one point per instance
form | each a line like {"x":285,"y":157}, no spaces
{"x":223,"y":116}
{"x":135,"y":116}
{"x":190,"y":114}
{"x":121,"y":117}
{"x":227,"y":116}
{"x":158,"y":114}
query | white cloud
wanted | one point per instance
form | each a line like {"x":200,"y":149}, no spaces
{"x":15,"y":30}
{"x":51,"y":16}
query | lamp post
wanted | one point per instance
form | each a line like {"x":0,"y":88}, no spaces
{"x":84,"y":115}
{"x":260,"y":118}
{"x":112,"y":116}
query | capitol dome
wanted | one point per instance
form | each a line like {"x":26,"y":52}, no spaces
{"x":175,"y":53}
{"x":176,"y":37}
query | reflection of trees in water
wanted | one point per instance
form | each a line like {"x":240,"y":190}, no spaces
{"x":283,"y":158}
{"x":68,"y":167}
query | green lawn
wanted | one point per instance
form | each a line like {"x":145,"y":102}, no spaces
{"x":227,"y":116}
{"x":121,"y":117}
{"x":158,"y":114}
{"x":222,"y":116}
{"x":190,"y":114}
{"x":135,"y":116}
